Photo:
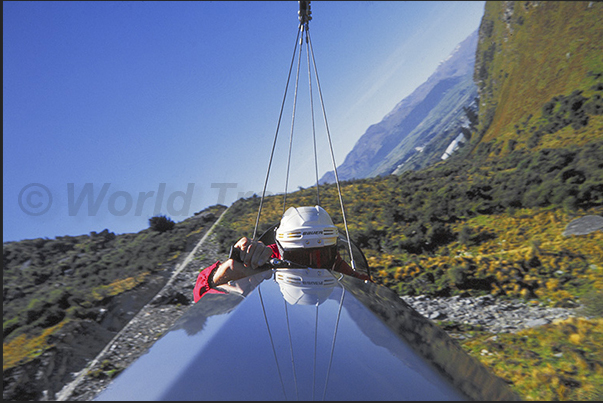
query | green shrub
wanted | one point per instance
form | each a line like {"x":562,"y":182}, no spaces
{"x":457,"y":274}
{"x":161,"y":223}
{"x":592,"y":303}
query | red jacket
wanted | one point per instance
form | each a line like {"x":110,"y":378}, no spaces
{"x":202,"y":285}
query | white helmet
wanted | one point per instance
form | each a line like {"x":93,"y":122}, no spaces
{"x":306,"y":227}
{"x":307,"y":236}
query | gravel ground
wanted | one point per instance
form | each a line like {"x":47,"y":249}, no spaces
{"x":492,"y":315}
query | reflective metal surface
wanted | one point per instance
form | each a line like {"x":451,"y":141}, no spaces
{"x":305,"y":334}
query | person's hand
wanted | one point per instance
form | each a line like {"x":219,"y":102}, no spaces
{"x":253,"y":253}
{"x":230,"y":270}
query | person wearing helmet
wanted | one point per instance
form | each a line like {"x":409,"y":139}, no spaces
{"x":306,"y":235}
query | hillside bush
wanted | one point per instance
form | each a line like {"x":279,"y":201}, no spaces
{"x":161,"y":223}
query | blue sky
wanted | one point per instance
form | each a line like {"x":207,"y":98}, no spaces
{"x":117,"y":111}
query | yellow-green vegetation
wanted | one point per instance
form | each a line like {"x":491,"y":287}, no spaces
{"x":515,"y":253}
{"x":49,"y":283}
{"x":558,"y":361}
{"x":118,"y":286}
{"x":25,"y":347}
{"x":538,"y":68}
{"x":523,"y":255}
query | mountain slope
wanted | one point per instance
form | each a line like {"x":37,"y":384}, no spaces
{"x":433,"y":110}
{"x":426,"y":144}
{"x":530,"y":54}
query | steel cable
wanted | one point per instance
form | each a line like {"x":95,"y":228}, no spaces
{"x":292,"y":122}
{"x":324,"y":113}
{"x":312,"y":114}
{"x":257,"y":221}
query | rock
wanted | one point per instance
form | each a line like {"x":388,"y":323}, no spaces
{"x":584,"y":225}
{"x":437,"y":315}
{"x":172,"y":297}
{"x":537,"y":322}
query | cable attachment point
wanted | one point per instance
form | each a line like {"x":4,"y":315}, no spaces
{"x":304,"y":13}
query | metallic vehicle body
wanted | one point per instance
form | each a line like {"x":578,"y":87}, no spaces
{"x":305,"y":334}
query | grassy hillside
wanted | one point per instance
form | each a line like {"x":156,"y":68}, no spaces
{"x":51,"y":283}
{"x":529,"y":53}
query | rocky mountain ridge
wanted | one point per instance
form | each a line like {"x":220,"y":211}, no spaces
{"x":431,"y":116}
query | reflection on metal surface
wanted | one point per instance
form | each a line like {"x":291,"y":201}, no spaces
{"x":305,"y":286}
{"x":305,"y":335}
